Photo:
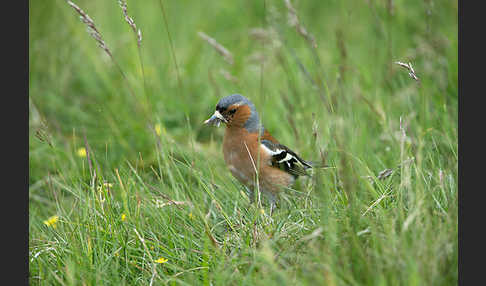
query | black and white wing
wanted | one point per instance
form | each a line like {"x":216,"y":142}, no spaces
{"x":285,"y":159}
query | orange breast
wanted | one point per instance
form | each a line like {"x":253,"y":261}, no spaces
{"x":242,"y":154}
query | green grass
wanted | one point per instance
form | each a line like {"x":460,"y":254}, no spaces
{"x":343,"y":226}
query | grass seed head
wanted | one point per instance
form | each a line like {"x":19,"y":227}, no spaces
{"x":409,"y":67}
{"x":293,"y":20}
{"x":131,"y":23}
{"x":91,"y":27}
{"x":228,"y":57}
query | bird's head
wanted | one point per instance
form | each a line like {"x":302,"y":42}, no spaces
{"x":235,"y":111}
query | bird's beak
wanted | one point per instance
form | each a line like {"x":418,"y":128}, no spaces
{"x":216,"y":119}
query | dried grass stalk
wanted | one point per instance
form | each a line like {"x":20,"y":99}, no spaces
{"x":131,"y":23}
{"x":228,"y":76}
{"x":294,"y":22}
{"x":91,"y":28}
{"x":385,"y":174}
{"x":409,"y":67}
{"x":93,"y":31}
{"x":160,"y":204}
{"x":388,"y":172}
{"x":265,"y":36}
{"x":228,"y":57}
{"x":259,"y":34}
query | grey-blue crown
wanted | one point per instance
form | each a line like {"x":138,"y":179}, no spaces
{"x":226,"y":101}
{"x":253,"y":123}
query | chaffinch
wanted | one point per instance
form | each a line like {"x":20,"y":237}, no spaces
{"x":248,"y":146}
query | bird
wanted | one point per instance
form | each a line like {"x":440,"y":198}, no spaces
{"x":250,"y":151}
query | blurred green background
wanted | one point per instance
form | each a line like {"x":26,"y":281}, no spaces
{"x":343,"y":100}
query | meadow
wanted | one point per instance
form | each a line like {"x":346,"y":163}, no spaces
{"x":127,"y":186}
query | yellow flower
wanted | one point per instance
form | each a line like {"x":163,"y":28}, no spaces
{"x":52,"y":221}
{"x":123,"y":217}
{"x":158,"y":129}
{"x":191,"y":216}
{"x":262,"y":211}
{"x":161,"y":260}
{"x":81,"y":152}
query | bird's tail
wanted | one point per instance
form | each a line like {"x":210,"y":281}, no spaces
{"x":316,"y":165}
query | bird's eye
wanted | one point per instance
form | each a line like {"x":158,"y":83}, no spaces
{"x":232,"y":111}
